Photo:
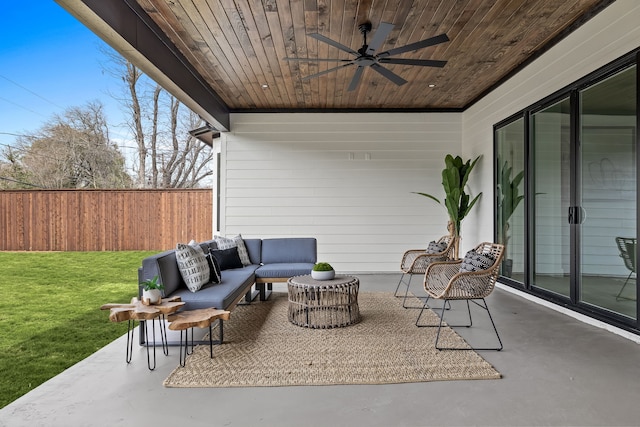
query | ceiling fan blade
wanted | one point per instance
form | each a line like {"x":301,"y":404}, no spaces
{"x":333,"y":43}
{"x":317,"y":59}
{"x":381,"y":34}
{"x":356,"y":79}
{"x":421,"y":62}
{"x":326,"y":71}
{"x":415,"y":46}
{"x":388,"y":74}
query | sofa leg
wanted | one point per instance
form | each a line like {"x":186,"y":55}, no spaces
{"x":264,"y":291}
{"x":251,"y":295}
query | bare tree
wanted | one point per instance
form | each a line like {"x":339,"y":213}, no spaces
{"x":160,"y":126}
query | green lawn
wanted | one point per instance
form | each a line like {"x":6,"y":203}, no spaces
{"x":50,"y":315}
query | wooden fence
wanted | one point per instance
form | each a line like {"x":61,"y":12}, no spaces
{"x":103,"y":220}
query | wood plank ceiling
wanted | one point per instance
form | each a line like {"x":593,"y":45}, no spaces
{"x":239,"y":47}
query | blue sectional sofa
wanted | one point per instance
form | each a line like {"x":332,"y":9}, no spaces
{"x":272,"y":260}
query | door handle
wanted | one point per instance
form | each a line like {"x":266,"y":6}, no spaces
{"x":576,"y":215}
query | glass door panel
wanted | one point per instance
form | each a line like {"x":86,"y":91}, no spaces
{"x":551,"y":144}
{"x":510,"y":192}
{"x":607,"y":192}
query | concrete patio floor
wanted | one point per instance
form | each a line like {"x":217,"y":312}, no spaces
{"x":556,"y":371}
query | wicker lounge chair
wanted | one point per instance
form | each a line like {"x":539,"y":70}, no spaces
{"x":452,"y":280}
{"x":416,"y":261}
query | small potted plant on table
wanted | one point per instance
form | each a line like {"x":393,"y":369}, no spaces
{"x":152,"y":291}
{"x":323,"y":271}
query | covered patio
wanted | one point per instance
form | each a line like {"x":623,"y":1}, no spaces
{"x":575,"y":374}
{"x":298,"y":168}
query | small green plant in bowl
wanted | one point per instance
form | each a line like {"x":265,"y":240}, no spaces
{"x":152,"y":291}
{"x":323,"y":271}
{"x":322,"y":266}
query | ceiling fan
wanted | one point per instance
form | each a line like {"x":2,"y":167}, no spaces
{"x":367,"y":55}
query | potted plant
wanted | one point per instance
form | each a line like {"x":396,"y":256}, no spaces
{"x":151,"y":291}
{"x":454,"y":179}
{"x":323,"y":271}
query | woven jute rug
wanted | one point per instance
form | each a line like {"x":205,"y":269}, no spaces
{"x":262,"y":349}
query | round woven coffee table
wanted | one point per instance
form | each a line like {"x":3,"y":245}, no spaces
{"x":322,"y":304}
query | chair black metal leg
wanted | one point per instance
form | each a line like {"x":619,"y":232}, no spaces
{"x":494,"y":326}
{"x":395,"y":294}
{"x":406,"y":293}
{"x":446,"y":305}
{"x":420,"y":315}
{"x":440,"y":325}
{"x":407,"y":284}
{"x":619,"y":297}
{"x":469,"y":311}
{"x":484,"y":306}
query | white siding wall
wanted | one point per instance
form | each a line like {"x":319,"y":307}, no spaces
{"x":606,"y":37}
{"x":345,"y":179}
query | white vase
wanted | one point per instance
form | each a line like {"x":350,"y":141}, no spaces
{"x":152,"y":296}
{"x":323,"y":275}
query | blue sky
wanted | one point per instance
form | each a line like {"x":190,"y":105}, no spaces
{"x":49,"y":61}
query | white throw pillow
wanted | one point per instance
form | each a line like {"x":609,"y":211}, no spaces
{"x":236,"y":242}
{"x":193,"y":266}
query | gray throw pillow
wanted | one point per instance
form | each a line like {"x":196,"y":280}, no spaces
{"x":474,"y":261}
{"x":226,"y":243}
{"x":193,"y":266}
{"x":436,"y":247}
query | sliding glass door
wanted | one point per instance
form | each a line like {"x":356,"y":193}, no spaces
{"x":551,"y":142}
{"x":566,"y":196}
{"x":608,"y":192}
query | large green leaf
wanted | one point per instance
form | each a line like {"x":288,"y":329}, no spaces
{"x":427,"y":195}
{"x":454,"y":179}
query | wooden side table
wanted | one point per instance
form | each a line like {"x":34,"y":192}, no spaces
{"x":201,"y":318}
{"x":135,"y":310}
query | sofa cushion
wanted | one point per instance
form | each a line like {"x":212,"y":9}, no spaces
{"x":193,"y":266}
{"x":254,"y":248}
{"x":289,"y":250}
{"x":226,"y":243}
{"x":163,"y":265}
{"x":233,"y":285}
{"x":227,"y":258}
{"x":283,"y":270}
